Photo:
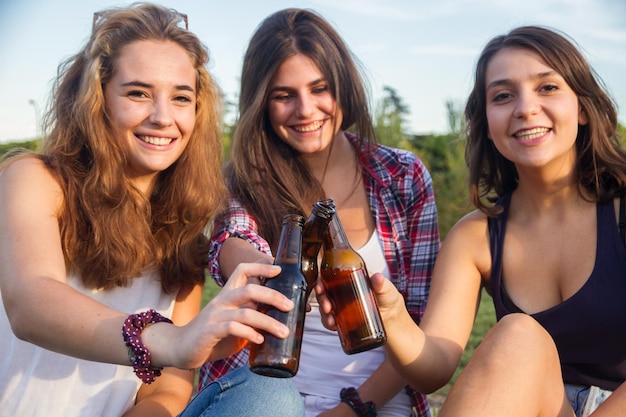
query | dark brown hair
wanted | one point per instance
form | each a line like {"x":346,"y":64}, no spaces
{"x":266,"y":175}
{"x":601,"y":160}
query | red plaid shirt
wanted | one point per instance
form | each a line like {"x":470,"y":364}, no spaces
{"x":402,"y":201}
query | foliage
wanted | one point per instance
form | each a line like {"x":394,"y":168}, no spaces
{"x":230,"y":108}
{"x":443,"y":155}
{"x":621,"y":133}
{"x":390,"y":119}
{"x":31,"y":144}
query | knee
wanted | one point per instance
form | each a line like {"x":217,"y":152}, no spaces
{"x":521,"y":333}
{"x":520,"y":326}
{"x":280,"y":394}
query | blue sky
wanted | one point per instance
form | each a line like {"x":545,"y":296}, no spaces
{"x":424,"y":49}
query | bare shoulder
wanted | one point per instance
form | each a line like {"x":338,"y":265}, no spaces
{"x":473,"y":225}
{"x":28,"y":179}
{"x":23,"y":165}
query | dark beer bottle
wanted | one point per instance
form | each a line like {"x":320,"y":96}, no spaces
{"x":313,"y":232}
{"x":280,"y":357}
{"x":349,"y":289}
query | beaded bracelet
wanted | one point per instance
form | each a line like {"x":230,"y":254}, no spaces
{"x":137,"y":352}
{"x":351,"y":397}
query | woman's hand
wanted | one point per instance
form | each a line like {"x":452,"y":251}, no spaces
{"x":389,"y":299}
{"x":225,"y":324}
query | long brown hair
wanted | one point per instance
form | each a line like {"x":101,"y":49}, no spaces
{"x":601,"y":160}
{"x":110,"y":232}
{"x":265,"y":174}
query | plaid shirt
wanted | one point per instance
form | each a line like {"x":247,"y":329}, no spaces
{"x":402,"y":201}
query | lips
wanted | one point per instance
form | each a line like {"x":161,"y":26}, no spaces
{"x":531,"y":134}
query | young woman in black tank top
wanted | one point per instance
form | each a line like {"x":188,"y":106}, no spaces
{"x":541,"y":140}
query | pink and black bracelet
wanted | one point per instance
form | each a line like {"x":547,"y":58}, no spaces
{"x":137,"y":352}
{"x":351,"y":397}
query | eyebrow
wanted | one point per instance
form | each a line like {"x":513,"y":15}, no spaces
{"x":505,"y":81}
{"x":142,"y":84}
{"x":285,"y":88}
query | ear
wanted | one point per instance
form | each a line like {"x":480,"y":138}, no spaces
{"x":582,"y":116}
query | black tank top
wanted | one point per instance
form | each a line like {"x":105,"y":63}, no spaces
{"x":589,"y":328}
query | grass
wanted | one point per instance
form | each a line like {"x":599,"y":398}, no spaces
{"x":485,"y":319}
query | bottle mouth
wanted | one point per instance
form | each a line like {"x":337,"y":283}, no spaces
{"x":325,"y":207}
{"x":293,"y":219}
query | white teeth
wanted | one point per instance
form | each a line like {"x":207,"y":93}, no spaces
{"x":532,"y":133}
{"x":310,"y":127}
{"x":155,"y":141}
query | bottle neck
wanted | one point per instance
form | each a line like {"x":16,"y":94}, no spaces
{"x":315,"y":230}
{"x":290,"y":243}
{"x":336,"y":237}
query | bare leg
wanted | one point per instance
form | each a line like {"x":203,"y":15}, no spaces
{"x":515,"y":372}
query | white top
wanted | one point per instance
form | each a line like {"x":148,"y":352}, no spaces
{"x":324,"y":367}
{"x":38,"y":382}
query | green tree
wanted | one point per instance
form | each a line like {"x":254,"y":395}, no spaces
{"x":443,"y":155}
{"x":456,"y":121}
{"x":228,"y":125}
{"x":390,"y":119}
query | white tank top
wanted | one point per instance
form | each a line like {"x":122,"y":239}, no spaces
{"x":324,"y":367}
{"x":37,"y":382}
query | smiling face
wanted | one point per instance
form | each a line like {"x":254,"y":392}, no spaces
{"x":301,"y":107}
{"x":532,"y":113}
{"x":151,"y":103}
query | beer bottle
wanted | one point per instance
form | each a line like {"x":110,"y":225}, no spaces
{"x":313,"y":232}
{"x":349,"y":289}
{"x":278,"y":357}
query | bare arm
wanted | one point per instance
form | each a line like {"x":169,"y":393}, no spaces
{"x":235,"y":251}
{"x":34,"y":288}
{"x":427,"y":355}
{"x":33,"y":275}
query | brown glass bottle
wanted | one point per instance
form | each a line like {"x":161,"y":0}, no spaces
{"x":349,"y":289}
{"x":281,"y":357}
{"x":313,"y":232}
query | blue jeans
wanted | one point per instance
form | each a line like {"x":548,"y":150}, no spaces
{"x":578,"y":397}
{"x":244,"y":393}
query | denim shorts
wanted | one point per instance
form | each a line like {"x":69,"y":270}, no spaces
{"x":585,"y":400}
{"x":243,"y":393}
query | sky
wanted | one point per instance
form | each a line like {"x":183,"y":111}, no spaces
{"x":424,"y":49}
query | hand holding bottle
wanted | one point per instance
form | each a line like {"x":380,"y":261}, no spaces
{"x":225,"y":324}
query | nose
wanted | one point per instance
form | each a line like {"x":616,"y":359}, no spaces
{"x":306,"y":106}
{"x":527,"y":104}
{"x":161,"y":113}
